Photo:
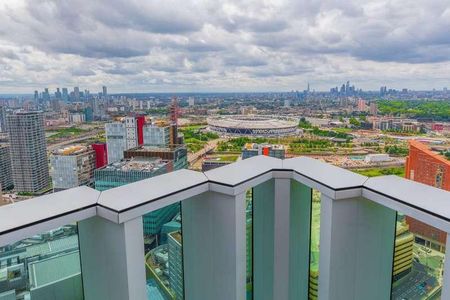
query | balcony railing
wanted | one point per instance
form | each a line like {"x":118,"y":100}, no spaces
{"x":358,"y":226}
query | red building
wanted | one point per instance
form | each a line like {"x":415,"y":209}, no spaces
{"x":101,"y":155}
{"x":428,"y":167}
{"x":140,"y":122}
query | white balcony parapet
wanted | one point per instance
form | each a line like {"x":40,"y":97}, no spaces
{"x":356,"y":212}
{"x":29,"y":217}
{"x":125,"y":202}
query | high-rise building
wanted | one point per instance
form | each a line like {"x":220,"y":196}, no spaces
{"x":76,"y":93}
{"x":176,"y":264}
{"x":6,"y":181}
{"x":362,"y":105}
{"x":191,"y":101}
{"x":373,"y":108}
{"x":72,"y":166}
{"x":65,"y":94}
{"x":105,"y":91}
{"x":115,"y":140}
{"x":28,"y":151}
{"x":2,"y":119}
{"x":124,"y":135}
{"x":428,"y":167}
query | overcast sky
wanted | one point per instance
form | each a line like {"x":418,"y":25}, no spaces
{"x":226,"y":45}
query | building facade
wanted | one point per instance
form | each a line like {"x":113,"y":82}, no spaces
{"x":123,"y":135}
{"x":28,"y":152}
{"x":253,"y":149}
{"x":6,"y":180}
{"x":72,"y":166}
{"x":156,"y":136}
{"x":177,"y":154}
{"x":428,"y":167}
{"x":101,"y":154}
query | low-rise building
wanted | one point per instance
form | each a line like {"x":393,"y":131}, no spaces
{"x":253,"y":149}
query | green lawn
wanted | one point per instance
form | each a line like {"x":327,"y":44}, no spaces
{"x":399,"y":171}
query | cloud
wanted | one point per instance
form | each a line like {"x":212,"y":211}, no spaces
{"x":202,"y":45}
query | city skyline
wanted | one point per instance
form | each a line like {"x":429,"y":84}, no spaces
{"x":223,"y":47}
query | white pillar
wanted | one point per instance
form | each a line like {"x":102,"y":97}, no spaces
{"x":356,"y":249}
{"x":214,"y":247}
{"x":112,"y":259}
{"x":446,"y":277}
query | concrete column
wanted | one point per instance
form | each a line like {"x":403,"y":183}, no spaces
{"x":446,"y":279}
{"x":112,"y":259}
{"x":281,"y":231}
{"x":356,"y":247}
{"x":214,"y":247}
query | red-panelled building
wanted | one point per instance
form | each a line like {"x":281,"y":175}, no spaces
{"x":101,"y":155}
{"x":426,"y":166}
{"x":140,"y":122}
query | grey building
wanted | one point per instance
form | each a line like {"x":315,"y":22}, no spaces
{"x":156,"y":136}
{"x":28,"y":151}
{"x":72,"y":166}
{"x":6,"y":181}
{"x":2,"y":119}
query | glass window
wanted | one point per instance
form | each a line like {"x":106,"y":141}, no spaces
{"x":418,"y":263}
{"x":249,"y":238}
{"x":42,"y":267}
{"x":164,"y":253}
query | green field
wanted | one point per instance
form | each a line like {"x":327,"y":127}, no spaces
{"x":64,"y":133}
{"x":399,"y":171}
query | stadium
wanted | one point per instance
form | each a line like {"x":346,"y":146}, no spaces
{"x":241,"y":125}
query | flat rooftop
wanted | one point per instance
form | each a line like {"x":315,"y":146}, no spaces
{"x":137,"y":164}
{"x":72,"y":150}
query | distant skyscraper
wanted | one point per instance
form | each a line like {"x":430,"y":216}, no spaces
{"x":58,"y":94}
{"x":76,"y":93}
{"x":36,"y":97}
{"x":65,"y":94}
{"x":287,"y":103}
{"x":105,"y":91}
{"x":362,"y":105}
{"x":28,"y":151}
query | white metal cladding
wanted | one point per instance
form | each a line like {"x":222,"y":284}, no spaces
{"x":22,"y":219}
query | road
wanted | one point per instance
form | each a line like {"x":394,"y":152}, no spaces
{"x":80,"y":138}
{"x":210,"y":146}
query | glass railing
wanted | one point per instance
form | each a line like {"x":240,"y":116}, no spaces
{"x":313,"y":287}
{"x":249,"y":242}
{"x":42,"y":267}
{"x":163,"y":253}
{"x":418,"y":263}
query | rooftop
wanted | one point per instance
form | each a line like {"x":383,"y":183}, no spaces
{"x":72,"y":150}
{"x":137,"y":164}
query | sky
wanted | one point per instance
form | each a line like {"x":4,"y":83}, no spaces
{"x":223,"y":46}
